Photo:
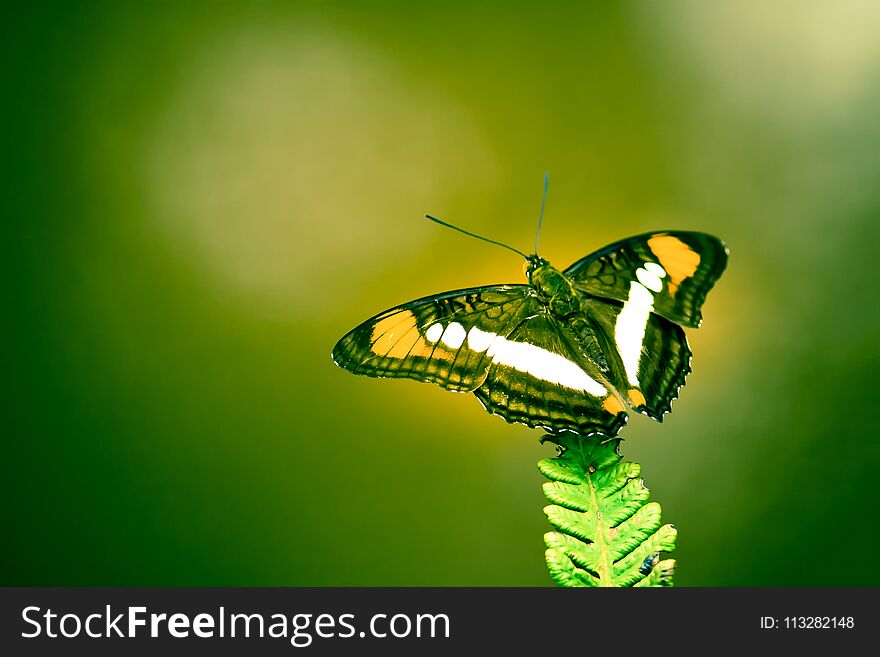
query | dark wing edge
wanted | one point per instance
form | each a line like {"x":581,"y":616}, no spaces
{"x":584,"y":428}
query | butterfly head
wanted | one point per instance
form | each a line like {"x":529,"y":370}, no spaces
{"x":533,"y":264}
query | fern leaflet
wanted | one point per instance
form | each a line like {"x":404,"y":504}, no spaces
{"x":607,"y":532}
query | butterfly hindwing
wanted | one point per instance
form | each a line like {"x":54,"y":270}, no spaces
{"x":537,"y":378}
{"x":441,"y":339}
{"x":647,"y":355}
{"x":678,"y":267}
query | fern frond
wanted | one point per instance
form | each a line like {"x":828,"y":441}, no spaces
{"x":607,"y":532}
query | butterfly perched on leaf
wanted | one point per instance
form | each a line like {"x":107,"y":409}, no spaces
{"x":570,"y":350}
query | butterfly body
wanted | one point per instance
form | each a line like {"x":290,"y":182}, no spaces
{"x":560,"y":298}
{"x":555,"y":290}
{"x":569,"y":351}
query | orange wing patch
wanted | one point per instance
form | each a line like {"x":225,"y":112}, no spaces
{"x":612,"y":405}
{"x":678,"y":259}
{"x":636,"y":397}
{"x":398,"y":337}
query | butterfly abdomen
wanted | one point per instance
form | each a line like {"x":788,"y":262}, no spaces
{"x":585,"y":333}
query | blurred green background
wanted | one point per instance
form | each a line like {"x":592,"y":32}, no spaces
{"x":203,"y":197}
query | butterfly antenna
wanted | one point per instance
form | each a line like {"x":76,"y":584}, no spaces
{"x":479,"y":237}
{"x":543,"y":203}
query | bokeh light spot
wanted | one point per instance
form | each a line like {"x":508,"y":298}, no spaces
{"x":286,"y":150}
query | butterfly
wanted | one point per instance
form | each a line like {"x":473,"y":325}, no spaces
{"x":570,"y":350}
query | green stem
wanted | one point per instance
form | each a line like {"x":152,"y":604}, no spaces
{"x":601,"y":536}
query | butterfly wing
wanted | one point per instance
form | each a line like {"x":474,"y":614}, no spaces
{"x":677,"y":267}
{"x":441,"y":339}
{"x":538,"y":377}
{"x":647,"y":356}
{"x":496,"y":341}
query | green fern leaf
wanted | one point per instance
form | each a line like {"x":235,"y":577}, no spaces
{"x":607,"y":532}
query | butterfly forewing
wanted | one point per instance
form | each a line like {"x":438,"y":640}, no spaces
{"x":537,"y":378}
{"x":678,"y":267}
{"x":442,"y":339}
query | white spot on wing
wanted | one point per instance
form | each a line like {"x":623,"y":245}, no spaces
{"x":655,"y":269}
{"x":454,"y":335}
{"x":433,"y":334}
{"x":649,"y":279}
